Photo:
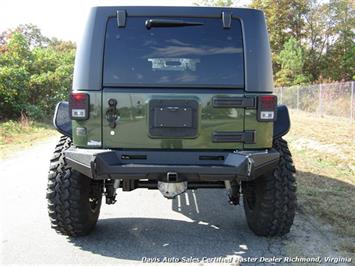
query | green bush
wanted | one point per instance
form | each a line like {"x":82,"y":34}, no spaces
{"x":35,"y":73}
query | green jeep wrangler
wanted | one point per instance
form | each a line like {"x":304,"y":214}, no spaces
{"x":172,"y":98}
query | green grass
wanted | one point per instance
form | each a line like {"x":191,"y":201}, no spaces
{"x":323,"y":150}
{"x":17,"y":135}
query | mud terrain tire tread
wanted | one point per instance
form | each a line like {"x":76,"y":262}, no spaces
{"x":68,"y":196}
{"x":275,"y":197}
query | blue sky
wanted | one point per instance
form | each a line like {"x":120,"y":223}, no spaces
{"x":65,"y":19}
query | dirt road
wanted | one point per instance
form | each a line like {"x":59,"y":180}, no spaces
{"x":199,"y":224}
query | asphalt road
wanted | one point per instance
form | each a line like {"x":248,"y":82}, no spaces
{"x":142,"y":224}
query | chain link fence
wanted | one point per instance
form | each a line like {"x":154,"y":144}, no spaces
{"x":334,"y":99}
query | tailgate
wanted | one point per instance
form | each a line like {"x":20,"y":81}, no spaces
{"x":172,"y":121}
{"x":161,"y":120}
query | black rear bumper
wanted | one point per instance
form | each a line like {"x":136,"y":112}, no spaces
{"x":188,"y":165}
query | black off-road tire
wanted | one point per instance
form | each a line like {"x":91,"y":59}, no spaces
{"x":74,"y":200}
{"x":270,"y":200}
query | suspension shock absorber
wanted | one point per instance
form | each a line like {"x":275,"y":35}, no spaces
{"x":233,"y":190}
{"x":111,"y":186}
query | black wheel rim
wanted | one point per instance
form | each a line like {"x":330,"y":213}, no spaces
{"x":95,"y":196}
{"x":94,"y":203}
{"x":250,"y":196}
{"x":251,"y":199}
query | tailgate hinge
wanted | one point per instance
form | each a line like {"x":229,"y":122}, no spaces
{"x":233,"y":102}
{"x":121,"y":18}
{"x":227,"y":19}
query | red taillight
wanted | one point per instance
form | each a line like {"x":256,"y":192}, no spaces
{"x":267,"y":107}
{"x":79,"y":106}
{"x":79,"y":97}
{"x":268,"y":101}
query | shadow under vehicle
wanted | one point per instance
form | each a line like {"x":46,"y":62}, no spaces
{"x":172,"y":98}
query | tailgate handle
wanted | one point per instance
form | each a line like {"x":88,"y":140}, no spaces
{"x":246,"y":137}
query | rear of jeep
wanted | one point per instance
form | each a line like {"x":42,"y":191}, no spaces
{"x":172,"y":99}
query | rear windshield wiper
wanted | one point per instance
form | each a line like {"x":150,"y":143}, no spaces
{"x":159,"y":23}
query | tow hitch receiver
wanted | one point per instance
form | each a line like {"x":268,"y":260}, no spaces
{"x":172,"y":186}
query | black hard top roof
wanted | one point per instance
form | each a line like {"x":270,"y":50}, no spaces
{"x":257,"y":56}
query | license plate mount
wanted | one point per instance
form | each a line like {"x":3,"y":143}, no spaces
{"x":173,"y":118}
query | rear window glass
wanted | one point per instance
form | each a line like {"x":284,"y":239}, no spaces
{"x":203,"y":55}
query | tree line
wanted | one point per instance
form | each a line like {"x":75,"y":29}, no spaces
{"x":35,"y":73}
{"x":311,"y":42}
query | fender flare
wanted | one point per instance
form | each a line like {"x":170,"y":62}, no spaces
{"x":283,"y":123}
{"x":61,"y":119}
